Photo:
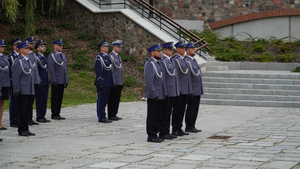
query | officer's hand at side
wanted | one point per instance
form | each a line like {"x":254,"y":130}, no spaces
{"x":38,"y":87}
{"x":66,"y":85}
{"x":16,"y":95}
{"x":100,"y":88}
{"x":55,"y":85}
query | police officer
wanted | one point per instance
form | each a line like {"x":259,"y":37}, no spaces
{"x":104,"y":80}
{"x":171,"y":90}
{"x":185,"y":89}
{"x":42,"y":93}
{"x":115,"y":93}
{"x":193,"y":104}
{"x":4,"y":81}
{"x":35,"y":73}
{"x":23,"y":86}
{"x":154,"y":93}
{"x":13,"y":102}
{"x":57,"y":67}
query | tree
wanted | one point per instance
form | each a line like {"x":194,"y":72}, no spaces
{"x":11,"y":8}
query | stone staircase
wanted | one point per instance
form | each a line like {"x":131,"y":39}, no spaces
{"x":251,"y":88}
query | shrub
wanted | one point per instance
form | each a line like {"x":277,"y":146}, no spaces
{"x":259,"y":47}
{"x":66,"y":25}
{"x":44,"y":30}
{"x":84,"y":36}
{"x":297,"y":69}
{"x":18,"y":31}
{"x":265,"y":57}
{"x":286,"y":57}
{"x":126,"y":58}
{"x":130,"y":81}
{"x":81,"y":60}
{"x":231,"y":38}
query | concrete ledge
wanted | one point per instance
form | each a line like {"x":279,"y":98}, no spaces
{"x":260,"y":66}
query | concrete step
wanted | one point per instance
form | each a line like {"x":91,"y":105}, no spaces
{"x":251,"y":86}
{"x":250,"y":80}
{"x":250,"y":103}
{"x":210,"y":58}
{"x":216,"y":68}
{"x":213,"y":63}
{"x":251,"y":97}
{"x":252,"y":91}
{"x":253,"y":74}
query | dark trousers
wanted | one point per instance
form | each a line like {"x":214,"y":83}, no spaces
{"x":24,"y":109}
{"x":192,"y":112}
{"x":41,"y":101}
{"x":165,"y":117}
{"x":57,"y":94}
{"x":178,"y":111}
{"x":154,"y":109}
{"x":114,"y":101}
{"x":12,"y":108}
{"x":102,"y":101}
{"x":31,"y":114}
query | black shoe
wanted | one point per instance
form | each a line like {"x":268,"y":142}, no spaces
{"x":24,"y":134}
{"x":174,"y":136}
{"x":166,"y":136}
{"x":155,"y":140}
{"x":191,"y":130}
{"x":62,"y":118}
{"x":29,"y":133}
{"x":197,"y":130}
{"x":1,"y":139}
{"x":3,"y":128}
{"x":14,"y":125}
{"x":43,"y":120}
{"x":176,"y":133}
{"x":31,"y":122}
{"x":115,"y":118}
{"x":47,"y":121}
{"x":55,"y":118}
{"x":182,"y":132}
{"x":105,"y":121}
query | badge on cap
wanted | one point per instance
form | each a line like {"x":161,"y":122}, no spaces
{"x":103,"y":43}
{"x":154,"y":47}
{"x":117,"y":43}
{"x":2,"y":43}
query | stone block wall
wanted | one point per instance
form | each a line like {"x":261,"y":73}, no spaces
{"x":110,"y":27}
{"x":215,"y":10}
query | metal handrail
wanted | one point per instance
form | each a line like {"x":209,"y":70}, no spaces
{"x":159,"y":16}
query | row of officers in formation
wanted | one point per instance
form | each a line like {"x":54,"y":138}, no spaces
{"x":24,"y":77}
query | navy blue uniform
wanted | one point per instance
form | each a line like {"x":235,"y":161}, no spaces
{"x":42,"y":93}
{"x":13,"y":102}
{"x":104,"y":78}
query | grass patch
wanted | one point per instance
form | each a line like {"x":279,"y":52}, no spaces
{"x":82,"y":62}
{"x":66,"y":25}
{"x":44,"y":30}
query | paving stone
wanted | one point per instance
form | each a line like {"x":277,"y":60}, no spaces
{"x":279,"y":164}
{"x":196,"y":157}
{"x":108,"y":165}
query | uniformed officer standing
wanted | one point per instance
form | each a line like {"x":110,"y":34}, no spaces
{"x":57,"y":67}
{"x":13,"y":102}
{"x":42,"y":93}
{"x":23,"y":86}
{"x":35,"y":73}
{"x":104,"y":81}
{"x":154,"y":93}
{"x":193,"y":104}
{"x":4,"y":81}
{"x":115,"y":93}
{"x":171,"y":90}
{"x":185,"y":89}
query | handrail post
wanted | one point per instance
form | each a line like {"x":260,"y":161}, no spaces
{"x":143,"y":9}
{"x":100,"y":4}
{"x":179,"y":34}
{"x":160,"y":21}
{"x":124,"y":4}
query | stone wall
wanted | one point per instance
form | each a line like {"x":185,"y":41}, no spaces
{"x":110,"y":27}
{"x":215,"y":10}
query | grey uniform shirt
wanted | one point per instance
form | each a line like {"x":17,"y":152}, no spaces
{"x":57,"y":67}
{"x":22,"y":78}
{"x":35,"y":72}
{"x":171,"y":85}
{"x":196,"y":76}
{"x":117,"y":68}
{"x":4,"y":72}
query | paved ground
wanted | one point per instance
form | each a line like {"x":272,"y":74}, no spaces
{"x":261,"y":138}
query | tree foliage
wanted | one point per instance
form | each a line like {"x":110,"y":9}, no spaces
{"x":11,"y":9}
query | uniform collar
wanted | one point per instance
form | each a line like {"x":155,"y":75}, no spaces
{"x":115,"y":53}
{"x":167,"y":57}
{"x":40,"y":54}
{"x":57,"y":52}
{"x":190,"y":57}
{"x":16,"y":52}
{"x":153,"y":59}
{"x":181,"y":57}
{"x":24,"y":57}
{"x":104,"y":53}
{"x":1,"y":54}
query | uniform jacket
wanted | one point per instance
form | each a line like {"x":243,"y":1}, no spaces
{"x":196,"y":76}
{"x":185,"y":84}
{"x":104,"y":74}
{"x":22,"y":78}
{"x":43,"y":69}
{"x":57,"y":67}
{"x":117,"y":68}
{"x":154,"y":80}
{"x":169,"y":76}
{"x":11,"y":59}
{"x":4,"y":72}
{"x":35,"y":72}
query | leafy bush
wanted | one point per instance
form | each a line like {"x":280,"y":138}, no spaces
{"x":297,"y":42}
{"x":231,"y":38}
{"x":18,"y":31}
{"x":84,"y":36}
{"x":44,"y":30}
{"x":297,"y":69}
{"x":66,"y":25}
{"x":259,"y":47}
{"x":265,"y":57}
{"x":130,"y":81}
{"x":285,"y":47}
{"x":209,"y":36}
{"x":93,"y":45}
{"x":126,"y":58}
{"x":286,"y":57}
{"x":81,"y":60}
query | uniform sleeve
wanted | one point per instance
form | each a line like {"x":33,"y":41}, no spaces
{"x":152,"y":93}
{"x":189,"y":77}
{"x":38,"y":78}
{"x":163,"y":70}
{"x":110,"y":57}
{"x":66,"y":68}
{"x":51,"y":70}
{"x":99,"y":72}
{"x":16,"y":71}
{"x":177,"y":76}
